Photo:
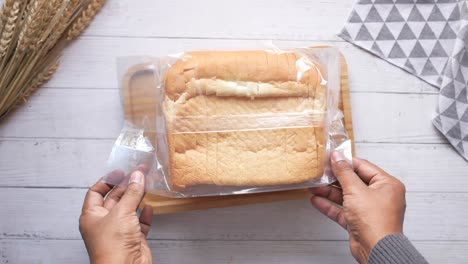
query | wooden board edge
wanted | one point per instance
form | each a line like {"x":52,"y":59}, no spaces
{"x":165,"y":205}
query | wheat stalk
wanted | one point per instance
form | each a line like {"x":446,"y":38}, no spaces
{"x":51,"y":11}
{"x":39,"y":80}
{"x":33,"y":34}
{"x":32,"y":28}
{"x":7,"y":5}
{"x":64,"y":22}
{"x":9,"y":28}
{"x":85,"y":19}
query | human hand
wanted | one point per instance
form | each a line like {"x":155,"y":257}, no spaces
{"x":370,"y":203}
{"x":109,"y":225}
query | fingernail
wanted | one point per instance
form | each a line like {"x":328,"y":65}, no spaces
{"x":136,"y":177}
{"x":337,"y":156}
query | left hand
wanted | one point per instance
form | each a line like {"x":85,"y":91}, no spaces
{"x":109,"y":224}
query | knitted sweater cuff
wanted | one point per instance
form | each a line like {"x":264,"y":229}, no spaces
{"x":395,"y":249}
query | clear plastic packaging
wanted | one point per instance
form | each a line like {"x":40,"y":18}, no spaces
{"x":233,"y":122}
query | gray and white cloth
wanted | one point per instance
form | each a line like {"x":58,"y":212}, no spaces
{"x":427,"y":38}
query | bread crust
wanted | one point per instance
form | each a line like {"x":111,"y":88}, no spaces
{"x":223,"y":85}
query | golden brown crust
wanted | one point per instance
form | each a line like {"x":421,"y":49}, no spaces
{"x":213,"y":84}
{"x":253,"y":66}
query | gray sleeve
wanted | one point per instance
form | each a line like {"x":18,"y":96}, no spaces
{"x":395,"y":249}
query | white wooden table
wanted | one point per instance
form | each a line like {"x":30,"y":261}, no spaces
{"x":56,"y":145}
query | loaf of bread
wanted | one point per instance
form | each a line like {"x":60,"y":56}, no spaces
{"x":244,"y":118}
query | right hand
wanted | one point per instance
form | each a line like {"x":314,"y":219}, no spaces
{"x":370,"y":203}
{"x":109,"y":225}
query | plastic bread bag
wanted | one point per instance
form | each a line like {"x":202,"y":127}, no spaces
{"x":209,"y":123}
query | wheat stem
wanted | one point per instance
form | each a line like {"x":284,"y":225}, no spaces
{"x":63,"y":23}
{"x":85,"y":18}
{"x":32,"y":27}
{"x":39,"y":80}
{"x":7,"y":5}
{"x":51,"y":11}
{"x":30,"y":63}
{"x":33,"y":34}
{"x":9,"y":28}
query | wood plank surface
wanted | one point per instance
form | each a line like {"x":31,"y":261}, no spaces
{"x":56,"y":144}
{"x":53,"y":213}
{"x":91,"y":61}
{"x":271,"y":19}
{"x":97,"y":114}
{"x":78,"y":163}
{"x":215,"y":252}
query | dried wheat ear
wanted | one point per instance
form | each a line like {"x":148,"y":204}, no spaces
{"x":33,"y":34}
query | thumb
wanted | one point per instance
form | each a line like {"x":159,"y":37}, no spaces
{"x":344,"y":171}
{"x":134,"y":192}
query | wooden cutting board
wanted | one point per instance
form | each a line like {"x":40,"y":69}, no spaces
{"x":139,"y":103}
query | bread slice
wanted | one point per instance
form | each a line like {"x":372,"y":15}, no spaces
{"x":237,"y":118}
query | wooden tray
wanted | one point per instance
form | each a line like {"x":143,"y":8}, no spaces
{"x":139,"y":102}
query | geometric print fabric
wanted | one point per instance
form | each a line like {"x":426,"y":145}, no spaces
{"x":428,"y":39}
